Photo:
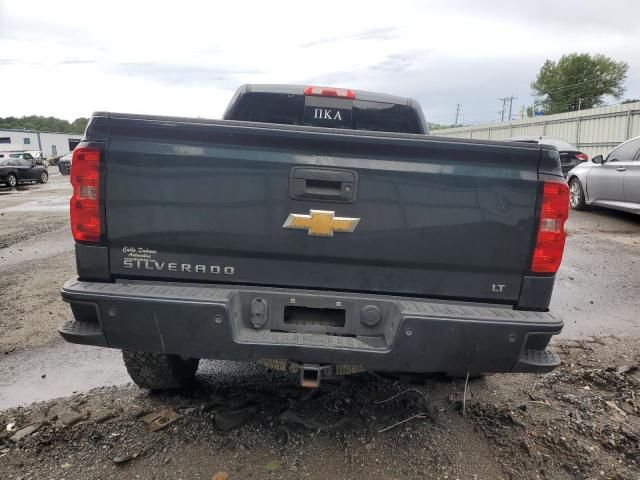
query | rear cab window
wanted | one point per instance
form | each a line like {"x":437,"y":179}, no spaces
{"x":389,"y":114}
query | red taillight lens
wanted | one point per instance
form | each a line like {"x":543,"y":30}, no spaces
{"x":85,"y":202}
{"x":554,"y":211}
{"x":583,"y":157}
{"x":330,"y":92}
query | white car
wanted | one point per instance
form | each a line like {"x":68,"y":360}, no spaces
{"x":612,"y":181}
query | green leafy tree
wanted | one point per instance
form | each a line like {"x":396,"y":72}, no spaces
{"x":46,"y":124}
{"x":79,"y":124}
{"x":578,"y":81}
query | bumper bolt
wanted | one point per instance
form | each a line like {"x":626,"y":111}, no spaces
{"x":512,"y":338}
{"x":408,"y":332}
{"x":218,"y":319}
{"x":112,"y":312}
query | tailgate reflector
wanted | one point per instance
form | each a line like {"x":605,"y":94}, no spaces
{"x":554,"y":211}
{"x":85,"y":202}
{"x":330,"y":92}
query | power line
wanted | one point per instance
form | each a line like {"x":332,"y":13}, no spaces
{"x":504,"y":102}
{"x":511,"y":99}
{"x":547,"y":92}
{"x":493,"y":120}
{"x":504,"y":106}
{"x":561,"y":101}
{"x":571,"y":85}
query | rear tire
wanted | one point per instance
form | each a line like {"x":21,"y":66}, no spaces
{"x":576,"y":195}
{"x":159,"y":371}
{"x":44,"y":177}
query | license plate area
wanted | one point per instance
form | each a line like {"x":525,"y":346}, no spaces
{"x":370,"y":321}
{"x":311,"y":314}
{"x":319,"y":317}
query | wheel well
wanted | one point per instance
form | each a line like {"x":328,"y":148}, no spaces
{"x":584,"y":188}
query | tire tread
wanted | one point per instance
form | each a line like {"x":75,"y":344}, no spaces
{"x":156,"y":371}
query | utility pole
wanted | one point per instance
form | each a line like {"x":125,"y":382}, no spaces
{"x":504,"y":103}
{"x":522,"y":112}
{"x":457,"y":113}
{"x":511,"y":99}
{"x":579,"y":103}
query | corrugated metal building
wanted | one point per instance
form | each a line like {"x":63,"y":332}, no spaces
{"x":594,"y":131}
{"x":49,"y":143}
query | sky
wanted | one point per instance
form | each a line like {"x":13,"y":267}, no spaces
{"x":68,"y":59}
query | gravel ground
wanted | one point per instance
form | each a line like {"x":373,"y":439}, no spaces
{"x":579,"y":422}
{"x":36,"y":258}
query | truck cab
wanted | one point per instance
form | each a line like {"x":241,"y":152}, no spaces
{"x":326,"y":107}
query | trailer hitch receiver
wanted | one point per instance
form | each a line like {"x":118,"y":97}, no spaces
{"x":312,"y":373}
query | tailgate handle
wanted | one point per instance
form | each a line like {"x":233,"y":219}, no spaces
{"x":323,"y":184}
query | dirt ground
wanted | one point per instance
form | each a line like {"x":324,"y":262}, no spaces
{"x":579,"y":422}
{"x":36,"y":257}
{"x":22,"y":322}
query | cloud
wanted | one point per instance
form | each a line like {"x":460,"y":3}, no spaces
{"x":175,"y":74}
{"x":383,"y":33}
{"x":193,"y":55}
{"x":400,"y":62}
{"x":77,"y":62}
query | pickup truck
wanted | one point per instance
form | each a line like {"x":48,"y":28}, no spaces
{"x":317,"y":230}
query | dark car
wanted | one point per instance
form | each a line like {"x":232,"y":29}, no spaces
{"x":64,"y":164}
{"x":570,"y":156}
{"x":21,"y":168}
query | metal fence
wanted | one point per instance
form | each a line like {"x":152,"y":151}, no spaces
{"x":594,"y":131}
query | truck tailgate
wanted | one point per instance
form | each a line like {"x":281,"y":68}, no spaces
{"x":206,"y":201}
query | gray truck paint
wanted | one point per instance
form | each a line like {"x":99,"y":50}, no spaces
{"x":212,"y":321}
{"x":438,"y":218}
{"x":442,"y":250}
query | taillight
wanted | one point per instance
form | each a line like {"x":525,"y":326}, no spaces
{"x":330,"y":92}
{"x":583,"y":157}
{"x":85,"y":201}
{"x":554,"y":211}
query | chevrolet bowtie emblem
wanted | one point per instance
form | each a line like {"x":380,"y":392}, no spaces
{"x":321,"y":223}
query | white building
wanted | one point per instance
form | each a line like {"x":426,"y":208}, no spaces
{"x":49,"y":143}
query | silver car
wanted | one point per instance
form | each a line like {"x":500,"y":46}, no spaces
{"x":612,"y":181}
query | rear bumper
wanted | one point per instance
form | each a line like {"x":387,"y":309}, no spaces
{"x":214,"y":321}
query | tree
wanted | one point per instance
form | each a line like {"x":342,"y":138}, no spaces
{"x":46,"y":124}
{"x":578,"y":81}
{"x":631,"y":100}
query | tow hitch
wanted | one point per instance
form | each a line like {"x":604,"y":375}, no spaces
{"x":312,"y":373}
